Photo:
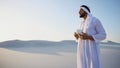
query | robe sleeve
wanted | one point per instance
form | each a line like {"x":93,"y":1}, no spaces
{"x":100,"y":32}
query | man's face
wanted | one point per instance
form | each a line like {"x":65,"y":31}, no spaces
{"x":82,"y":13}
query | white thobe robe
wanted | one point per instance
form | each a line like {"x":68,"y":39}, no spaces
{"x":88,"y":51}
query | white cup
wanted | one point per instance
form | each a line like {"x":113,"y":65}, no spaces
{"x":79,"y":31}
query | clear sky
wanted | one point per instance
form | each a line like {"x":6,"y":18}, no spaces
{"x":54,"y":20}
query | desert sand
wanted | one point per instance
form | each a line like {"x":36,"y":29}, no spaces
{"x":62,"y":56}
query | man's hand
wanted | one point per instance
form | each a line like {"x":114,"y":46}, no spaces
{"x":76,"y":35}
{"x":84,"y":36}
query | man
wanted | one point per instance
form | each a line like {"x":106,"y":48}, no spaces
{"x":88,"y":54}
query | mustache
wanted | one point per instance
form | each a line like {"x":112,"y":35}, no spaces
{"x":82,"y":15}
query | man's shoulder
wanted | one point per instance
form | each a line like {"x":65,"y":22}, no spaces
{"x":95,"y":19}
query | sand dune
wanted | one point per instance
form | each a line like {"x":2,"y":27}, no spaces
{"x":50,"y":55}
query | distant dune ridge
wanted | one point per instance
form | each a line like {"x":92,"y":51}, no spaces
{"x":40,"y":46}
{"x":49,"y":47}
{"x":20,"y":43}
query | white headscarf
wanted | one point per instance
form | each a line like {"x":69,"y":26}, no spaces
{"x":88,"y":20}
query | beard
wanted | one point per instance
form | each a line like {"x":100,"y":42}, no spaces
{"x":82,"y":15}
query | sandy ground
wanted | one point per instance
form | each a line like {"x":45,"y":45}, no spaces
{"x":52,"y":57}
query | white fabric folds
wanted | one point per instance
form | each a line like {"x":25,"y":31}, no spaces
{"x":88,"y":51}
